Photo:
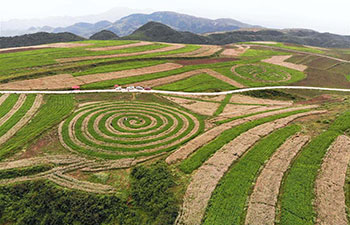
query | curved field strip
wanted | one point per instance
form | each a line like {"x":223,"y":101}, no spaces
{"x":297,"y":192}
{"x":7,"y":105}
{"x":120,"y":129}
{"x":13,"y":110}
{"x":20,"y":118}
{"x":330,"y":197}
{"x":172,"y":47}
{"x":50,"y":114}
{"x":110,"y":48}
{"x":227,"y":204}
{"x":3,"y":98}
{"x":209,"y":174}
{"x":260,"y":73}
{"x":263,"y":200}
{"x":199,"y":142}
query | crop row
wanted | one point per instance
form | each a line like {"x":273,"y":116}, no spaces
{"x":298,"y":187}
{"x":49,"y":115}
{"x":205,"y":152}
{"x":228,"y":202}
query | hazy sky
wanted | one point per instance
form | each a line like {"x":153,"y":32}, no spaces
{"x":322,"y":15}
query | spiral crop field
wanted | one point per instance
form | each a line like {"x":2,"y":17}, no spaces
{"x":261,"y":73}
{"x":113,"y":130}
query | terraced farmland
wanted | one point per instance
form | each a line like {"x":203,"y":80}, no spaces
{"x":124,"y":157}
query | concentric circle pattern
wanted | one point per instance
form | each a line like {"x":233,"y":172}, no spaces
{"x":262,"y":73}
{"x":127,"y":129}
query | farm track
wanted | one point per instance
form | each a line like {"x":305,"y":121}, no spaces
{"x":24,"y":120}
{"x":263,"y":200}
{"x":172,"y":47}
{"x":190,"y":147}
{"x":206,"y":178}
{"x":329,"y":186}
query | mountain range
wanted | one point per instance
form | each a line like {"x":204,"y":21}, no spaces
{"x":126,"y":25}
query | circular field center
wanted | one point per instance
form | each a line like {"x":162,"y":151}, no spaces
{"x":113,"y":130}
{"x":262,"y":73}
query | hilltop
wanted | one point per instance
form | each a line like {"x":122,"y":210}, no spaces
{"x":37,"y":39}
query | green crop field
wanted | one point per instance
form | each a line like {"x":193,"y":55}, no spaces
{"x":129,"y":157}
{"x":198,"y":83}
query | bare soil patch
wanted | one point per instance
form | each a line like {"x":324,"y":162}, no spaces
{"x":235,"y":52}
{"x":204,"y":61}
{"x":330,"y":197}
{"x":240,"y":110}
{"x":24,"y":49}
{"x":204,"y":108}
{"x":66,"y":45}
{"x":280,"y":61}
{"x":206,"y":178}
{"x":109,"y":48}
{"x":252,"y":100}
{"x":262,"y":202}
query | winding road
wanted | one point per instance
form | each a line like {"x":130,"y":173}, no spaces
{"x":237,"y":91}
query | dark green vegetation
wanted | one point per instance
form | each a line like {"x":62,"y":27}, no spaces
{"x":228,"y":202}
{"x":205,"y":152}
{"x":104,"y":35}
{"x":150,"y":202}
{"x":273,"y":94}
{"x":37,"y":39}
{"x":56,"y":108}
{"x":197,"y":83}
{"x":25,"y":171}
{"x":298,"y":187}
